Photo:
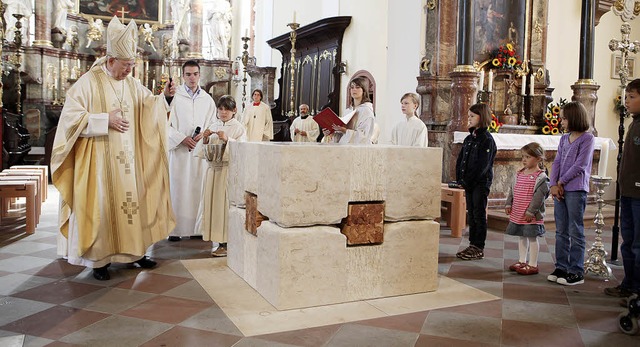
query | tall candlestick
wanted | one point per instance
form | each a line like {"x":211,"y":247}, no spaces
{"x":481,"y":83}
{"x":294,"y":16}
{"x":532,"y":90}
{"x":604,"y":158}
{"x":490,"y":84}
{"x":524,"y":84}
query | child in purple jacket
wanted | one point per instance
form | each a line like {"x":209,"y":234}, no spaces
{"x":569,"y":187}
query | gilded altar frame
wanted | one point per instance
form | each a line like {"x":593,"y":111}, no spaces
{"x":141,"y":11}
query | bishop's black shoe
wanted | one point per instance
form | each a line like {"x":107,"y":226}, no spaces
{"x":145,"y":263}
{"x":101,"y":273}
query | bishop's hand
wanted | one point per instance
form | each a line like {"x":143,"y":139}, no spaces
{"x":116,"y":122}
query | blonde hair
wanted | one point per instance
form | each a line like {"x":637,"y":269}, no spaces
{"x":415,"y":100}
{"x":535,"y":150}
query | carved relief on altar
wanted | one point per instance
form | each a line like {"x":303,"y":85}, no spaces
{"x":539,"y":32}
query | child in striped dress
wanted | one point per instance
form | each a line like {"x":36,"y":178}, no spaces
{"x":525,"y":207}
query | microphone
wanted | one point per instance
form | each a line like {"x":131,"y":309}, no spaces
{"x":196,"y":132}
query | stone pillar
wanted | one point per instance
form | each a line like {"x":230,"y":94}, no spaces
{"x":465,"y":33}
{"x":586,"y":92}
{"x":43,"y":15}
{"x":585,"y":89}
{"x":196,"y":30}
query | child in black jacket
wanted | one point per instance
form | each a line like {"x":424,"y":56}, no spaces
{"x":474,"y":171}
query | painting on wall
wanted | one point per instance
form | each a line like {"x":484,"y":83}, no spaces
{"x":616,"y":63}
{"x":143,"y":11}
{"x":498,"y":22}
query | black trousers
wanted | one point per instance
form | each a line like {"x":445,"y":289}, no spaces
{"x":477,"y":214}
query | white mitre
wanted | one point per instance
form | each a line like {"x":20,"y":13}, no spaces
{"x":122,"y":41}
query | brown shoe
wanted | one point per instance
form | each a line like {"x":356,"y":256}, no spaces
{"x":221,"y":251}
{"x":527,"y":270}
{"x":516,"y":266}
{"x":472,"y":253}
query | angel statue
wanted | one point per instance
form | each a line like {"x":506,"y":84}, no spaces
{"x":72,"y":38}
{"x":95,"y":30}
{"x":146,"y":31}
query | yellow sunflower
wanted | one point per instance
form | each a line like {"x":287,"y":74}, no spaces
{"x":511,"y":61}
{"x":548,"y":115}
{"x":546,"y":130}
{"x":555,"y":109}
{"x":509,"y":47}
{"x":618,"y":98}
{"x":498,"y":129}
{"x":555,"y":131}
{"x":495,"y":62}
{"x":554,"y":122}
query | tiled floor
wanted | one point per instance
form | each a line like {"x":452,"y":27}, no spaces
{"x":46,"y":302}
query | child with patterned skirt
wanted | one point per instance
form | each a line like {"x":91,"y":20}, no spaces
{"x":525,"y":207}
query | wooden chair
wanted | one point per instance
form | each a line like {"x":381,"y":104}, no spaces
{"x":28,"y":190}
{"x":45,"y":173}
{"x":22,"y":172}
{"x":6,"y":205}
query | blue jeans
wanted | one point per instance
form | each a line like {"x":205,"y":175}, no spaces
{"x":570,"y":241}
{"x":630,"y":248}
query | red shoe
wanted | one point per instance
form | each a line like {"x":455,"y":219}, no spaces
{"x":528,"y":270}
{"x":516,"y":266}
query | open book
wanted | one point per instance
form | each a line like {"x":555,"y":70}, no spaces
{"x":326,"y":119}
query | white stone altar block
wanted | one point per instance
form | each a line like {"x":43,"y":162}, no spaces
{"x":312,"y":266}
{"x":311,"y":184}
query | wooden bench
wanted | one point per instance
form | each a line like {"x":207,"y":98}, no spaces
{"x":39,"y":173}
{"x":456,"y":209}
{"x":26,"y":189}
{"x":45,"y":174}
{"x":13,"y":179}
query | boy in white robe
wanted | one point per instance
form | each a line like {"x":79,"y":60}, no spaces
{"x":411,"y":130}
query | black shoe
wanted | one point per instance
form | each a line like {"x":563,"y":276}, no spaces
{"x":557,"y":273}
{"x":196,"y":237}
{"x":101,"y":273}
{"x":145,"y":263}
{"x":618,"y":292}
{"x":174,"y":238}
{"x":571,"y":280}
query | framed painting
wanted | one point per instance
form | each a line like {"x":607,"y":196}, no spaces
{"x":616,"y":63}
{"x":143,"y":11}
{"x":496,"y":23}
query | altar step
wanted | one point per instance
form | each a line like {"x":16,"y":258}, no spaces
{"x":497,"y":219}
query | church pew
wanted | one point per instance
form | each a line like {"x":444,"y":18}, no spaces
{"x":45,"y":173}
{"x":22,"y":172}
{"x":26,"y":189}
{"x":38,"y":207}
{"x":456,"y":209}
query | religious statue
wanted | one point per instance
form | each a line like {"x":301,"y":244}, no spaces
{"x":219,"y":20}
{"x":95,"y":30}
{"x":60,"y":10}
{"x":626,"y":9}
{"x":146,"y":31}
{"x":167,"y":46}
{"x":72,"y":38}
{"x":180,"y":16}
{"x":16,"y":7}
{"x":513,"y":34}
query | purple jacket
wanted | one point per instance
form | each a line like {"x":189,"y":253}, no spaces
{"x":572,"y":165}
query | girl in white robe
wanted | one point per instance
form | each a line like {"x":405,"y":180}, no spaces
{"x":360,"y":120}
{"x":215,"y":205}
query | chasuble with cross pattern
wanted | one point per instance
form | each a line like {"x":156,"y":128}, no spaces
{"x":114,"y":187}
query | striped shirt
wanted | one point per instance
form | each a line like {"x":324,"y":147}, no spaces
{"x":522,"y":195}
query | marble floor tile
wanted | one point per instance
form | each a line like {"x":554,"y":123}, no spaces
{"x":172,"y":268}
{"x":22,"y":263}
{"x":166,"y":309}
{"x":212,"y":319}
{"x":58,"y":292}
{"x":440,"y":341}
{"x":599,"y":320}
{"x":59,"y":268}
{"x":26,"y":247}
{"x":255,"y":342}
{"x":491,"y":309}
{"x":152,"y":283}
{"x":359,"y":335}
{"x":182,"y":336}
{"x":12,"y":341}
{"x":558,"y":315}
{"x":411,"y":322}
{"x":462,"y":326}
{"x":311,"y":337}
{"x":191,"y":290}
{"x":536,"y":293}
{"x":12,"y":309}
{"x":130,"y":332}
{"x":110,"y":300}
{"x":592,"y":338}
{"x":16,"y":282}
{"x":522,"y":333}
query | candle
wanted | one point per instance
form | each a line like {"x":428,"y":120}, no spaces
{"x":294,"y":16}
{"x":162,"y":69}
{"x":153,"y":86}
{"x":524,"y":85}
{"x":78,"y":62}
{"x":490,"y":84}
{"x":246,"y":32}
{"x":604,"y":158}
{"x":532,"y":90}
{"x":481,"y":83}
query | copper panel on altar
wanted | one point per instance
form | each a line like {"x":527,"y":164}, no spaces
{"x":364,"y":224}
{"x":253,"y":218}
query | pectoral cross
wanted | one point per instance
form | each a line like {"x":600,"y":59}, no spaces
{"x":123,"y":12}
{"x":124,"y":106}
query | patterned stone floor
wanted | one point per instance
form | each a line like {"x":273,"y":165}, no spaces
{"x":46,"y":302}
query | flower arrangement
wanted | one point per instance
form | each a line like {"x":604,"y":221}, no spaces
{"x":160,"y":87}
{"x":495,"y":124}
{"x":552,"y":118}
{"x":505,"y":57}
{"x":618,"y":105}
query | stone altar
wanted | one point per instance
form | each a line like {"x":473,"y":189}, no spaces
{"x":299,"y":257}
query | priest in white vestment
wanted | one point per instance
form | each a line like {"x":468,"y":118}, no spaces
{"x":411,"y":130}
{"x":257,"y":119}
{"x":304,"y":128}
{"x":192,"y":109}
{"x":215,"y":204}
{"x":109,"y":162}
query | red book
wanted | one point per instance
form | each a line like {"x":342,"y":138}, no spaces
{"x":326,"y":119}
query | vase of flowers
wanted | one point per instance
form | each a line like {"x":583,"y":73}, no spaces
{"x":551,"y":125}
{"x":505,"y":57}
{"x":495,"y":125}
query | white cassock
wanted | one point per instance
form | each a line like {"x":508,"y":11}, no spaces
{"x":214,"y":207}
{"x":114,"y":186}
{"x":410,"y":132}
{"x":186,"y":171}
{"x":307,"y":125}
{"x":258,"y":122}
{"x":360,"y":128}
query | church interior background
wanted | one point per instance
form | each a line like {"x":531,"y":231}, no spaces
{"x":399,"y":46}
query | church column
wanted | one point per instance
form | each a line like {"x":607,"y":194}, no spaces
{"x":43,"y":14}
{"x":464,"y":77}
{"x":196,"y":30}
{"x":585,"y":90}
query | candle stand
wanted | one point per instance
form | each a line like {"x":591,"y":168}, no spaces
{"x":596,"y":262}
